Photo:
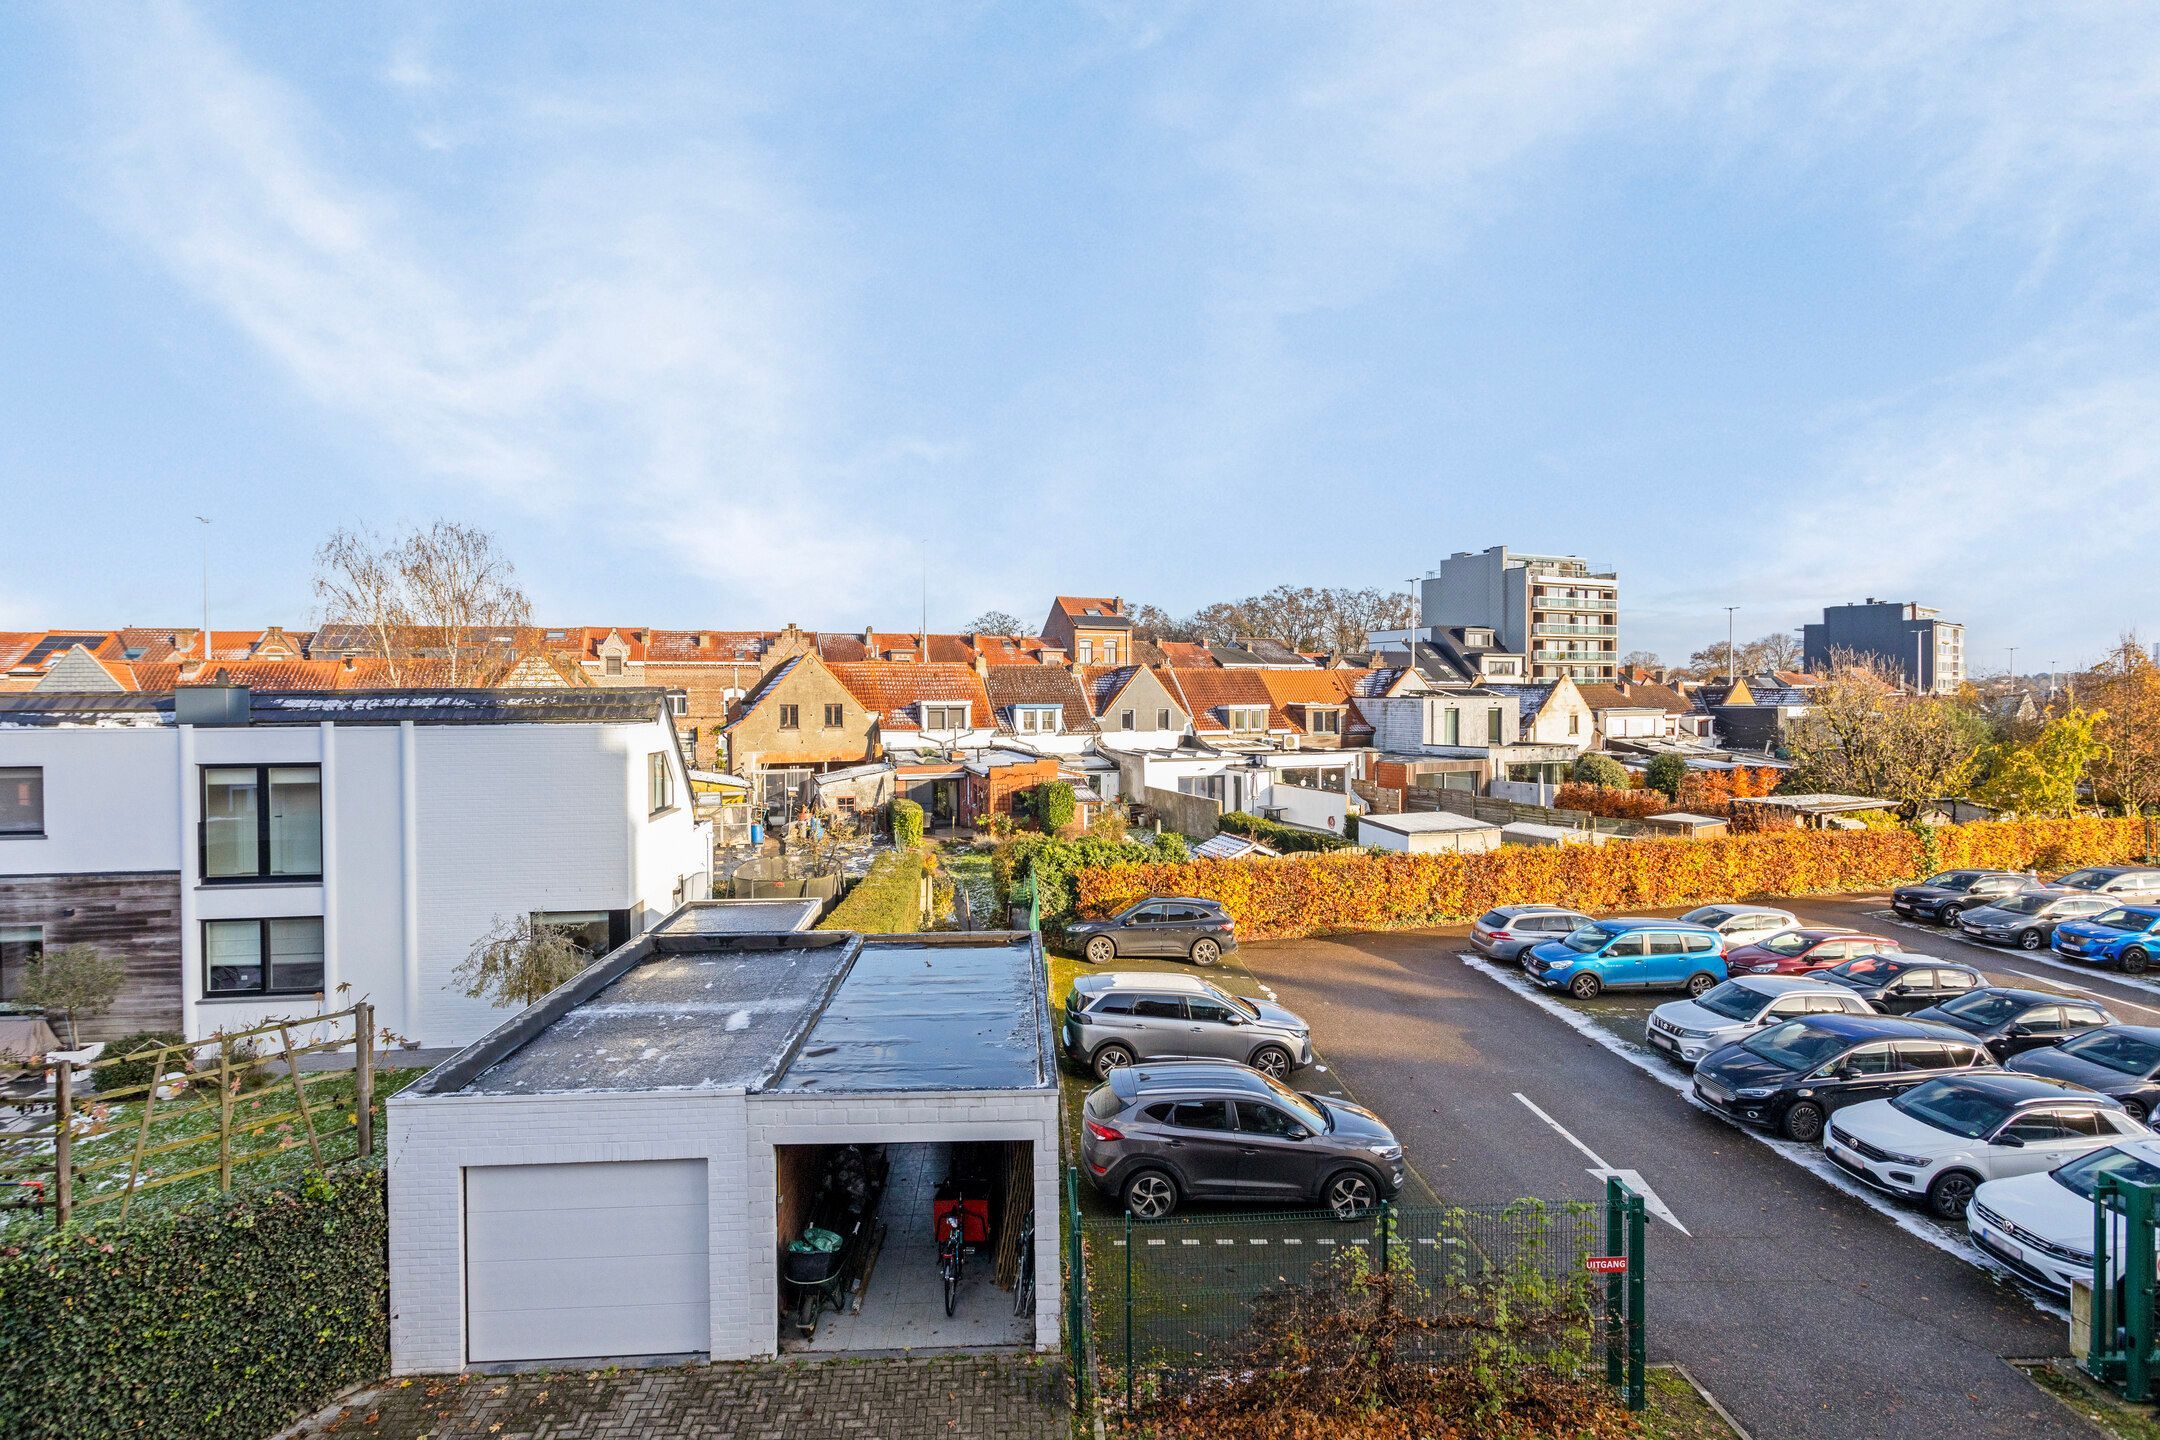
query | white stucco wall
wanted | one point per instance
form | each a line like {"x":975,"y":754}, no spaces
{"x":91,"y":775}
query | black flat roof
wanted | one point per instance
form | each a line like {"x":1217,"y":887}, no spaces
{"x":356,"y":707}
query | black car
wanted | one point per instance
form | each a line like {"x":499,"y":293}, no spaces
{"x":1901,"y":984}
{"x":1940,"y":897}
{"x":2010,"y":1022}
{"x":2122,"y":1062}
{"x":1789,"y":1077}
{"x":1176,"y":927}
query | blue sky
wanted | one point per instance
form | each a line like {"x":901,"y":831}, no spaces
{"x":730,"y":316}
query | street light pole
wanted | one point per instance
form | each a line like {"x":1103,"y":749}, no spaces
{"x":1732,"y":656}
{"x":2013,"y":663}
{"x":206,"y":648}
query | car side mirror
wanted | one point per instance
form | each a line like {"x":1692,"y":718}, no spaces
{"x":2017,"y":1032}
{"x":2011,"y":1141}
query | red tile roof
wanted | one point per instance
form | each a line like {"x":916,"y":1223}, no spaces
{"x":1011,"y":685}
{"x":892,"y":689}
{"x":1209,"y":694}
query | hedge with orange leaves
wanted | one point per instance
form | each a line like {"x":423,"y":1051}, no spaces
{"x":1362,"y":890}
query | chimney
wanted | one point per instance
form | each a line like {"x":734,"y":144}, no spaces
{"x":922,"y":651}
{"x":869,"y":638}
{"x":982,"y":667}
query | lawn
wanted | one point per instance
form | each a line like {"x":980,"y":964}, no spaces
{"x":182,"y":1137}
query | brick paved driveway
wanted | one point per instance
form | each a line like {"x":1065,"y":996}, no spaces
{"x":1001,"y":1396}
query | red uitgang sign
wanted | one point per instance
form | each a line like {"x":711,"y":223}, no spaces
{"x":1605,"y":1264}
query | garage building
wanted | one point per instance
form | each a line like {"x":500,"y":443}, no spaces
{"x":616,"y":1174}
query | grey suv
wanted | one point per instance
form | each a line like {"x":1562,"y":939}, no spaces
{"x":1173,"y":927}
{"x":1114,"y":1019}
{"x":1154,"y":1136}
{"x":1508,"y":930}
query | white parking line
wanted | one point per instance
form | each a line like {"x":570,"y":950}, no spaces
{"x":1813,"y":1161}
{"x":1601,"y":1170}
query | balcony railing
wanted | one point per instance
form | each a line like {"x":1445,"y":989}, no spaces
{"x":1568,"y":631}
{"x":1558,"y":602}
{"x":1572,"y":657}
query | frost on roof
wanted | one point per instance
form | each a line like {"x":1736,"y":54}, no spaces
{"x":744,"y":917}
{"x":926,"y":1017}
{"x":705,"y":1020}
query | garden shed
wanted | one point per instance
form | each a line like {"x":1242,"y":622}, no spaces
{"x":617,"y":1174}
{"x":1428,"y":832}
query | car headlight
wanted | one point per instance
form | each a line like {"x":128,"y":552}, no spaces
{"x":1386,"y":1152}
{"x":1756,"y":1092}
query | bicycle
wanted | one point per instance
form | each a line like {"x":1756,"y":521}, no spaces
{"x":952,"y":1255}
{"x":1024,"y":1287}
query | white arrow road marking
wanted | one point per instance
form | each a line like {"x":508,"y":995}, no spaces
{"x":1630,"y":1178}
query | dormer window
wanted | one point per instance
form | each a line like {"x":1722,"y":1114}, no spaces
{"x":611,"y":664}
{"x":1248,"y":719}
{"x":944,"y":716}
{"x":1323,"y":719}
{"x":1038,"y":719}
{"x":1087,"y":651}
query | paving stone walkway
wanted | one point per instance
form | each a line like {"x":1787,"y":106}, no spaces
{"x":1002,"y":1396}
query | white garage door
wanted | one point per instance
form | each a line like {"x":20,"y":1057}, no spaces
{"x":573,"y":1262}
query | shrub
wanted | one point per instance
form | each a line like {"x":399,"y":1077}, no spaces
{"x":225,"y":1321}
{"x":907,"y":824}
{"x":132,"y":1061}
{"x":1364,"y":890}
{"x":1595,"y":769}
{"x":887,"y":900}
{"x":1665,"y":772}
{"x":1285,"y":838}
{"x":1610,"y":803}
{"x":79,"y":982}
{"x":1054,"y":806}
{"x":1053,"y":861}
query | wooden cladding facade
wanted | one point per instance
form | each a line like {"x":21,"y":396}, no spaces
{"x":135,"y":917}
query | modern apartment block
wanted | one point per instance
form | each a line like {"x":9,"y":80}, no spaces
{"x":1554,"y":609}
{"x":1926,"y":651}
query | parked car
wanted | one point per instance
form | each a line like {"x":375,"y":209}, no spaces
{"x":1939,"y":1142}
{"x":1790,"y":1077}
{"x":1687,"y":1030}
{"x":2124,"y":882}
{"x":1177,"y":927}
{"x":1123,"y":1016}
{"x":1506,"y":931}
{"x":1155,"y":1136}
{"x":1742,"y":923}
{"x":1940,"y":897}
{"x":1795,"y":952}
{"x":2127,"y":937}
{"x":1901,"y":984}
{"x":1629,"y":955}
{"x":2010,"y":1022}
{"x":2120,"y":1061}
{"x":2042,"y":1225}
{"x":2028,"y":918}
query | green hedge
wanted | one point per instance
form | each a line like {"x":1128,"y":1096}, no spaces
{"x":231,"y":1319}
{"x":907,"y":824}
{"x":1285,"y":839}
{"x":1052,"y":862}
{"x":1054,"y":806}
{"x":887,"y":901}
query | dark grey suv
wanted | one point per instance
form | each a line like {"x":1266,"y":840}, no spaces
{"x":1155,"y":1136}
{"x":1114,"y":1019}
{"x":1166,"y":928}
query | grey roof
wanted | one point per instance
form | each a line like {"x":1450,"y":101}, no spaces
{"x":1424,"y":822}
{"x":613,"y":705}
{"x":1227,"y":846}
{"x":743,"y":917}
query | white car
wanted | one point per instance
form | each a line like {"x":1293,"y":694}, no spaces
{"x":2042,"y":1225}
{"x":1937,"y":1143}
{"x":1687,"y":1030}
{"x":1743,"y":924}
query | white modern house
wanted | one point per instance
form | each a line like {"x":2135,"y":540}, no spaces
{"x":259,"y":856}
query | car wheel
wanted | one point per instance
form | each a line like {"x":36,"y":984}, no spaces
{"x":1585,"y":987}
{"x":1947,"y":915}
{"x":1205,"y":952}
{"x":2031,"y":940}
{"x":1700,"y":983}
{"x":1951,"y":1193}
{"x":1101,"y":950}
{"x":1150,"y":1195}
{"x":1350,"y":1193}
{"x":1804,"y":1123}
{"x":2134,"y":961}
{"x":1111,"y":1057}
{"x":1272,"y":1061}
{"x":2135,"y":1111}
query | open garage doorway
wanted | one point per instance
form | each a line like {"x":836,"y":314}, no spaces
{"x":859,"y":1263}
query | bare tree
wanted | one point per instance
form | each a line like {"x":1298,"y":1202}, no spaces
{"x":1641,"y":660}
{"x":519,"y":960}
{"x":357,"y":583}
{"x":437,"y":589}
{"x":1863,"y":735}
{"x":994,"y":622}
{"x":1152,"y":622}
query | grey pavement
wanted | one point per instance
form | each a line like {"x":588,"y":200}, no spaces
{"x":1806,"y":1311}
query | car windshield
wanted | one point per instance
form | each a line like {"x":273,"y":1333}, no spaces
{"x":1795,"y":1045}
{"x":1951,"y":880}
{"x":2117,"y":1051}
{"x":1961,"y":1109}
{"x":1104,"y":1103}
{"x":1493,"y":920}
{"x":1309,"y":1112}
{"x":1792,"y":942}
{"x":2082,"y":1175}
{"x":1587,"y":938}
{"x":2119,"y":918}
{"x":2079,"y":879}
{"x":2023,"y":904}
{"x":1869,"y":970}
{"x":1983,"y":1009}
{"x":1731,"y":1002}
{"x":1706,"y":915}
{"x":1244,"y":1007}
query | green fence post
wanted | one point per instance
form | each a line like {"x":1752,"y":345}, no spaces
{"x":2137,"y":1302}
{"x":2100,"y":1359}
{"x":1615,"y":1244}
{"x":1638,"y":1344}
{"x":1076,"y":1348}
{"x":1128,"y":1315}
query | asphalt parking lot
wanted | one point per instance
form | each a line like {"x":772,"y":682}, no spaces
{"x":1807,"y":1305}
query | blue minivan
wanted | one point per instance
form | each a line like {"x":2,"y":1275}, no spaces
{"x":1630,"y":955}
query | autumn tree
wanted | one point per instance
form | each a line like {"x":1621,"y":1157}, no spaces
{"x":2043,"y":775}
{"x":2126,"y":685}
{"x":1862,"y":735}
{"x":437,"y":589}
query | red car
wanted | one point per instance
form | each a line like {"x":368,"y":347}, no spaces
{"x":1796,"y":952}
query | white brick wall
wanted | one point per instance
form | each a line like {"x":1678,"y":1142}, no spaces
{"x":433,"y":1139}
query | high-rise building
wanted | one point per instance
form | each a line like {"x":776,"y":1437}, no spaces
{"x":1555,"y":610}
{"x":1926,"y":651}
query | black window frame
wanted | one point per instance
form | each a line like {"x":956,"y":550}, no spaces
{"x":262,"y":874}
{"x":659,"y":784}
{"x":262,"y":957}
{"x":36,"y":773}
